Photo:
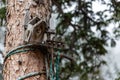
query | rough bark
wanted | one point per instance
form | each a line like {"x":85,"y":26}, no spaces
{"x":33,"y":61}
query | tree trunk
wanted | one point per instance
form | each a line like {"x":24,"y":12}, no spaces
{"x":18,"y":65}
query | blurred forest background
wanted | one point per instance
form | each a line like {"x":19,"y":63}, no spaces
{"x":90,"y":28}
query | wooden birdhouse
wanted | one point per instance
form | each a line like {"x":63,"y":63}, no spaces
{"x":35,"y":31}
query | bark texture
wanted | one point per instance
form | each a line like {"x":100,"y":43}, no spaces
{"x":33,"y":61}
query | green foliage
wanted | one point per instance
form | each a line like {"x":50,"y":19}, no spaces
{"x":4,"y":1}
{"x":85,"y":45}
{"x":2,"y":14}
{"x":118,"y":77}
{"x":1,"y":77}
{"x":1,"y":66}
